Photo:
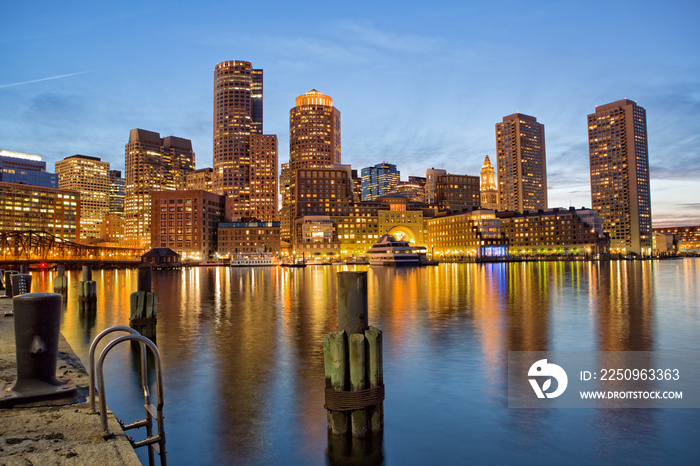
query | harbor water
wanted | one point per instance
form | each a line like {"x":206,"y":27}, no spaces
{"x":243,"y":359}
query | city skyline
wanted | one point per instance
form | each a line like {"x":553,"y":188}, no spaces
{"x":59,"y":87}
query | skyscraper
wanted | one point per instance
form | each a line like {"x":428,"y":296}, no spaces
{"x":152,"y":164}
{"x":314,"y":142}
{"x":431,"y":177}
{"x":619,"y":162}
{"x":522,"y":171}
{"x":16,"y":167}
{"x":489,"y":189}
{"x":379,"y":180}
{"x":89,"y":176}
{"x":238,"y":114}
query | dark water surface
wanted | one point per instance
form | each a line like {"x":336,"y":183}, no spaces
{"x":243,"y":360}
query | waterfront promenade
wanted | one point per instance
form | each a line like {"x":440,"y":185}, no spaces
{"x":55,"y":434}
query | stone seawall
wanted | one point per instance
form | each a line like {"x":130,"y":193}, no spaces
{"x":55,"y":435}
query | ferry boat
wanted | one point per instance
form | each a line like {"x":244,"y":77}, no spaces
{"x":254,"y":259}
{"x":390,"y":251}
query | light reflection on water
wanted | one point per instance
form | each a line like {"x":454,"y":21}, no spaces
{"x":243,"y":362}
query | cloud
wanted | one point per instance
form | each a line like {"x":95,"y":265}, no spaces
{"x":41,"y":79}
{"x":382,"y":39}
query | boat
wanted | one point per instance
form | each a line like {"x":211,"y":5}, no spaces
{"x":390,"y":251}
{"x":254,"y":259}
{"x":299,"y":263}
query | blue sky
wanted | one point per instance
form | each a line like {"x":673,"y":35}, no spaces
{"x":418,"y":84}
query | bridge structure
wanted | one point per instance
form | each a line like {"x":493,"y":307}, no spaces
{"x":33,"y":246}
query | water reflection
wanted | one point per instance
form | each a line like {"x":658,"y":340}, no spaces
{"x":243,"y":360}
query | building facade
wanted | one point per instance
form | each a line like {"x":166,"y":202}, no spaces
{"x":152,"y":164}
{"x":456,"y":193}
{"x":431,"y":176}
{"x":522,"y":171}
{"x":16,"y":167}
{"x":619,"y":163}
{"x":488,"y":188}
{"x":54,"y":211}
{"x":187,"y":222}
{"x":117,"y":191}
{"x":242,"y":237}
{"x":577,"y":232}
{"x":687,"y":238}
{"x":379,"y":180}
{"x":89,"y":176}
{"x":201,"y":179}
{"x":245,"y":160}
{"x":467,"y":235}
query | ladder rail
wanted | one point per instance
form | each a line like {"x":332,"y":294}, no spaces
{"x":156,"y":443}
{"x":91,"y":360}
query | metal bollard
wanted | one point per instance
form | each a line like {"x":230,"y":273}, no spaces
{"x":8,"y":282}
{"x":21,"y":284}
{"x":37,"y":324}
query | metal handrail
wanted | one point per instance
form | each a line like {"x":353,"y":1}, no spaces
{"x":91,"y":360}
{"x":154,"y":443}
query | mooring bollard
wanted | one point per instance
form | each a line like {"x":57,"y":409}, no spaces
{"x":37,"y":324}
{"x":60,"y":281}
{"x":144,"y":305}
{"x":8,"y":282}
{"x":354,"y":373}
{"x":87,"y":291}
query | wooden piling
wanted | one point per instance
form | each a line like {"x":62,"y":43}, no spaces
{"x":60,"y":281}
{"x":144,"y":305}
{"x":87,"y":291}
{"x":354,"y":376}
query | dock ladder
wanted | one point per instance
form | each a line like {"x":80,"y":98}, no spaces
{"x":155,"y":443}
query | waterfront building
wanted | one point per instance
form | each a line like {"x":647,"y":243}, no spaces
{"x":379,"y":180}
{"x":404,"y":225}
{"x":619,"y":163}
{"x":200,"y":179}
{"x":316,"y":238}
{"x":238,"y":237}
{"x":555,"y":232}
{"x":152,"y":164}
{"x":466,"y":235}
{"x":413,"y":189}
{"x":117,"y":191}
{"x":112,"y":229}
{"x":522,"y":172}
{"x":687,"y":238}
{"x":186,"y":221}
{"x":89,"y":176}
{"x":456,"y":193}
{"x":314,"y":142}
{"x":25,"y":207}
{"x":245,"y":160}
{"x":665,"y":244}
{"x":488,"y":188}
{"x":431,"y":177}
{"x":358,"y":229}
{"x":16,"y":167}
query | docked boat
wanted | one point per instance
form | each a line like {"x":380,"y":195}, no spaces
{"x":390,"y":251}
{"x":254,"y":259}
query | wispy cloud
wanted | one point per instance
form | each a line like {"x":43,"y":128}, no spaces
{"x":42,"y":79}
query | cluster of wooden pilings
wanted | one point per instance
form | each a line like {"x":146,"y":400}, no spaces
{"x":87,"y":292}
{"x":354,"y":378}
{"x":144,"y":305}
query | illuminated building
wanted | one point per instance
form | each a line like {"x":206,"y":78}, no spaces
{"x":413,"y":189}
{"x":112,"y":228}
{"x":358,"y":229}
{"x":557,"y":231}
{"x":245,"y":160}
{"x":404,"y":225}
{"x":431,"y":176}
{"x":117,"y":191}
{"x":488,"y":188}
{"x":522,"y":173}
{"x":152,"y":164}
{"x":619,"y":162}
{"x":316,"y":238}
{"x":186,"y":221}
{"x":16,"y":167}
{"x":24,"y":207}
{"x":688,"y":238}
{"x":379,"y":180}
{"x":456,"y":193}
{"x":314,"y":142}
{"x":200,"y":179}
{"x":238,"y":237}
{"x":263,"y":178}
{"x":474,"y":234}
{"x":89,"y":176}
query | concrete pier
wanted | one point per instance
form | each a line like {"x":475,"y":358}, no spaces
{"x":64,"y":434}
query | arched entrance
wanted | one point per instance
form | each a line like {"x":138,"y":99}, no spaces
{"x":403,"y":233}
